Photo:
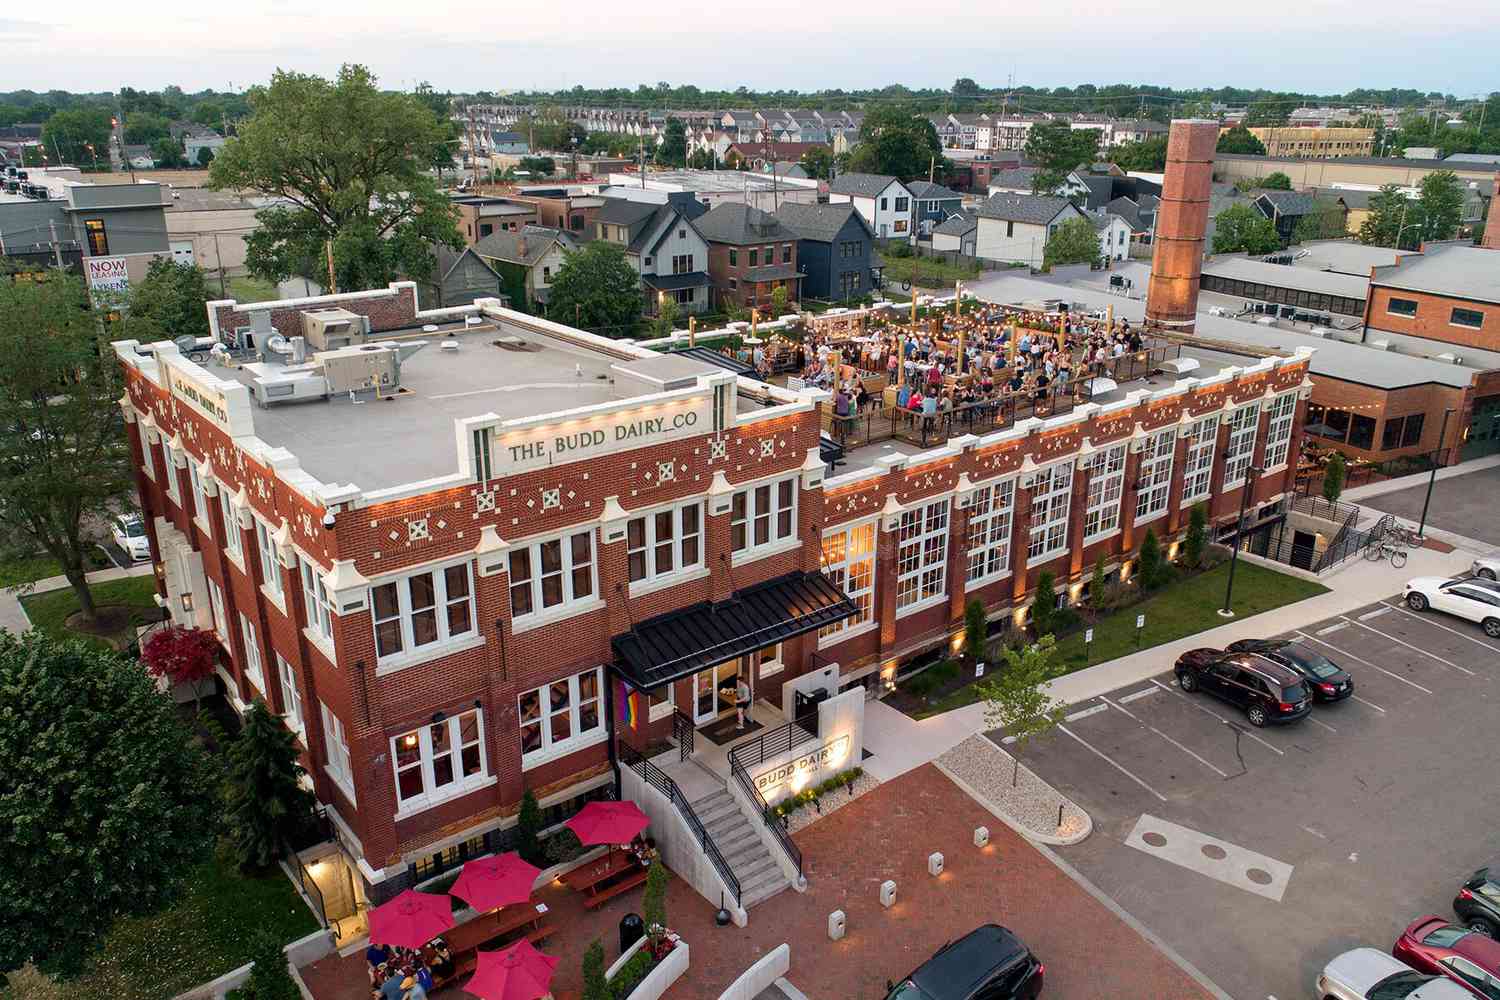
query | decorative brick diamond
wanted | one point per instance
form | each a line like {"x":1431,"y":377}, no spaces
{"x":718,"y":448}
{"x":552,"y":498}
{"x":441,"y":525}
{"x":484,"y":501}
{"x":666,"y":472}
{"x":767,"y":448}
{"x":395,"y":536}
{"x":417,"y":530}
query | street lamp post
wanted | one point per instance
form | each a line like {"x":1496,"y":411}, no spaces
{"x":1432,"y":478}
{"x":1239,"y":529}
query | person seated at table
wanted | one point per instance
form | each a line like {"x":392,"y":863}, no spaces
{"x":425,"y":977}
{"x":412,"y":989}
{"x":390,"y":987}
{"x":377,"y":955}
{"x":442,"y":959}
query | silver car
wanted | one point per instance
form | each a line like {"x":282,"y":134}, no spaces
{"x":1369,"y":974}
{"x":1487,"y":567}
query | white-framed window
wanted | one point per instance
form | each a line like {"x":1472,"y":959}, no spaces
{"x":200,"y":499}
{"x":439,"y":761}
{"x":922,"y":553}
{"x":665,"y":542}
{"x":560,"y":717}
{"x":216,"y":604}
{"x":336,"y":752}
{"x":1203,"y":437}
{"x":252,"y":653}
{"x":421,"y":609}
{"x":1051,"y":500}
{"x":169,"y":478}
{"x":1279,"y":430}
{"x":316,"y":597}
{"x":763,"y":515}
{"x":291,"y":697}
{"x":1106,"y":483}
{"x":767,"y":661}
{"x":270,"y":566}
{"x":1156,"y":474}
{"x":849,"y":562}
{"x":552,"y":573}
{"x":991,"y":510}
{"x":232,"y":541}
{"x":1243,"y":423}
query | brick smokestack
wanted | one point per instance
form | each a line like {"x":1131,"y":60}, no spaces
{"x":1181,"y":222}
{"x":1492,"y":227}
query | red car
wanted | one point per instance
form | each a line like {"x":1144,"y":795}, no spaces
{"x":1433,"y":945}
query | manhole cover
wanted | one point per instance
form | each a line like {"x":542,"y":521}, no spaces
{"x":1154,"y":839}
{"x":1214,"y":851}
{"x":1259,"y":876}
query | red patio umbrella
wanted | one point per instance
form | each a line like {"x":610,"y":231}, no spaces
{"x":411,"y":919}
{"x":608,"y":823}
{"x":498,"y":880}
{"x":520,"y":972}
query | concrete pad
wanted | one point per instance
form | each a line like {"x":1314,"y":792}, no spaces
{"x":1218,"y":859}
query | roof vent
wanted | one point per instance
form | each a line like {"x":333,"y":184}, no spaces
{"x":514,"y":344}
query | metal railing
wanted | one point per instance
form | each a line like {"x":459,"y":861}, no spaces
{"x":662,"y":782}
{"x":1328,"y":510}
{"x":1350,"y":542}
{"x":305,"y":882}
{"x":684,"y":733}
{"x":755,"y":752}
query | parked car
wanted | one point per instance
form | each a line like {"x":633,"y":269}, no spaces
{"x":1266,"y":691}
{"x":1370,"y":974}
{"x":1487,"y":567}
{"x":1325,"y":679}
{"x":1473,"y":600}
{"x":1431,"y":944}
{"x":129,"y":533}
{"x":1478,"y":902}
{"x":988,"y":963}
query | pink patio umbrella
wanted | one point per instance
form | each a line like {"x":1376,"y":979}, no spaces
{"x":411,"y":919}
{"x":520,"y":972}
{"x":608,"y":823}
{"x":498,"y":880}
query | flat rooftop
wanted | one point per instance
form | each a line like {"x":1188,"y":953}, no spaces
{"x":1301,"y":279}
{"x":1345,"y":256}
{"x":710,"y":181}
{"x":1456,"y":270}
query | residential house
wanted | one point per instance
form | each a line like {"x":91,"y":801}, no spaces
{"x":742,"y":125}
{"x":932,"y":204}
{"x":958,"y":233}
{"x":459,"y":278}
{"x":884,"y":202}
{"x":1016,"y":227}
{"x":967,"y":126}
{"x":843,"y":129}
{"x":947,"y":130}
{"x":664,"y":245}
{"x":1285,"y":209}
{"x":810,"y":127}
{"x":1012,"y":131}
{"x":479,"y":216}
{"x":1114,"y":235}
{"x":1015,"y":180}
{"x":511,"y":143}
{"x":1356,"y":204}
{"x":561,"y":208}
{"x":835,"y":250}
{"x":789,"y":168}
{"x":526,"y":262}
{"x":1140,"y":216}
{"x":750,"y":255}
{"x":758,"y":155}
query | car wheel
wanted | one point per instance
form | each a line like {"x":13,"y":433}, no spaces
{"x":1257,"y":715}
{"x":1486,"y":574}
{"x":1491,"y":627}
{"x":1416,"y":602}
{"x":1479,"y":925}
{"x":1188,"y":683}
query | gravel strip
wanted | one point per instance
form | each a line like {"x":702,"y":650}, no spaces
{"x":1031,"y":803}
{"x":832,"y":802}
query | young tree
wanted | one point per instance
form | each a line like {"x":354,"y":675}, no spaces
{"x":1241,"y":140}
{"x":976,"y":630}
{"x":1325,"y":222}
{"x":66,"y":465}
{"x":673,"y":149}
{"x":528,"y":827}
{"x":1387,"y":218}
{"x":1440,"y":204}
{"x":1276,"y":181}
{"x":1057,"y":148}
{"x":1148,"y":155}
{"x":172,"y":296}
{"x":1242,"y":229}
{"x":1196,"y":541}
{"x":167,"y":152}
{"x":1016,"y":697}
{"x":538,"y":166}
{"x":107,"y":803}
{"x":818,"y":162}
{"x":1148,"y":561}
{"x":267,"y":803}
{"x":597,"y":289}
{"x":702,"y":159}
{"x":1333,"y":477}
{"x":778,"y":302}
{"x":667,"y":314}
{"x":205,"y":155}
{"x":269,"y":979}
{"x":1044,"y":606}
{"x":595,"y":986}
{"x":441,"y":106}
{"x":348,"y":162}
{"x":1097,"y":586}
{"x":1074,"y":242}
{"x":78,"y":135}
{"x":654,"y":903}
{"x":182,"y":656}
{"x":899,"y":142}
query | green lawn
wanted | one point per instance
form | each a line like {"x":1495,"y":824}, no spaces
{"x":927,"y":269}
{"x":49,"y":611}
{"x":203,"y":936}
{"x":27,"y":569}
{"x":248,"y":289}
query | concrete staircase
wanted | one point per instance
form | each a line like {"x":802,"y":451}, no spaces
{"x":739,"y":841}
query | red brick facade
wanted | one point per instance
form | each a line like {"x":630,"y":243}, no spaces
{"x":1434,"y":317}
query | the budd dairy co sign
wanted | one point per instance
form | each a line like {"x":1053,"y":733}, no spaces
{"x":593,"y":436}
{"x":797,"y":773}
{"x":230,"y":415}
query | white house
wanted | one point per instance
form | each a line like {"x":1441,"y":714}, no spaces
{"x":1114,"y":235}
{"x":958,"y":233}
{"x":883,"y":202}
{"x":1016,"y":227}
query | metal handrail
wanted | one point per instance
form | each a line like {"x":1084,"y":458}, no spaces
{"x":305,"y":880}
{"x":1329,"y":510}
{"x":753,"y":752}
{"x":768,"y":817}
{"x":663,"y":783}
{"x":684,"y":733}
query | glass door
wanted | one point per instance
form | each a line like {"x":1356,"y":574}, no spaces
{"x":705,"y":697}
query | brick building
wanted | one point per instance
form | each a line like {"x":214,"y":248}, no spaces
{"x":454,"y":596}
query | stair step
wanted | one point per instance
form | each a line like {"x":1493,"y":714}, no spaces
{"x":718,"y":810}
{"x":727,"y":823}
{"x":739,"y":840}
{"x":756,"y":870}
{"x":746,"y":856}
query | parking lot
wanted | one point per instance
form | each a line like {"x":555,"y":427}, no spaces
{"x":1261,"y":853}
{"x":1463,"y":504}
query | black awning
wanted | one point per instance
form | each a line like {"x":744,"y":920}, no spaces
{"x":680,"y":643}
{"x":712,"y":357}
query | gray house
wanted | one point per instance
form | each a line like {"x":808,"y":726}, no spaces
{"x":89,"y":220}
{"x":957,"y":233}
{"x":460,"y":277}
{"x":835,"y":250}
{"x":931,"y":205}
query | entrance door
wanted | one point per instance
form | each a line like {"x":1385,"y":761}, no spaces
{"x":1304,"y":543}
{"x":713,"y":691}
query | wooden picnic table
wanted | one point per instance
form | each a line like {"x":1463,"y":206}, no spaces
{"x":606,"y":878}
{"x":494,"y":929}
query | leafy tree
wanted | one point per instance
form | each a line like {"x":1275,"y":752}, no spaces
{"x":107,"y":803}
{"x":1268,"y":111}
{"x":537,"y":166}
{"x":446,"y":145}
{"x":1148,"y":155}
{"x":1074,"y":242}
{"x":1333,"y":477}
{"x":68,"y":466}
{"x":182,"y":656}
{"x":702,"y":159}
{"x":528,"y":827}
{"x":1325,"y":222}
{"x":33,"y":156}
{"x":211,"y":113}
{"x":1241,"y":140}
{"x":1016,"y":697}
{"x":1387,"y":219}
{"x":818,"y":162}
{"x":351,"y":160}
{"x":667,"y":314}
{"x":167,"y":152}
{"x":30,"y":983}
{"x":1196,"y":541}
{"x":269,"y":979}
{"x":1098,"y":586}
{"x":597,"y":289}
{"x":1240,"y":228}
{"x":1276,"y":181}
{"x":172,"y":296}
{"x":266,"y":801}
{"x":143,"y":128}
{"x":976,"y":630}
{"x":965,"y":87}
{"x":778,"y":302}
{"x":1440,"y":204}
{"x":1057,"y":148}
{"x":205,"y":155}
{"x":1148,"y":561}
{"x":550,"y":130}
{"x":897,"y":142}
{"x":70,"y":134}
{"x":1044,"y":606}
{"x":673,"y":149}
{"x":595,"y":986}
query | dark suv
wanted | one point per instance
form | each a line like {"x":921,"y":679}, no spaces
{"x":988,"y":963}
{"x":1478,"y":902}
{"x":1325,"y":679}
{"x":1268,"y":692}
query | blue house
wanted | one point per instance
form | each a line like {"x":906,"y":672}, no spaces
{"x":932,"y":204}
{"x":835,"y":250}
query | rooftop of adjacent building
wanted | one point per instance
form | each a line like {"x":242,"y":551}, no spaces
{"x":709,"y":181}
{"x":1458,"y":270}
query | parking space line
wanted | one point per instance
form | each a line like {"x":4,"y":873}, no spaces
{"x":1323,"y":724}
{"x":1367,"y":663}
{"x":1221,"y":718}
{"x":1085,"y":713}
{"x":1369,"y":703}
{"x":1111,"y":762}
{"x":1336,"y":626}
{"x":1437,"y":624}
{"x":1158,"y":732}
{"x":1134,"y":695}
{"x":1419,"y":649}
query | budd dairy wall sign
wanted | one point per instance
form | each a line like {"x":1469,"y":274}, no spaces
{"x":797,"y":773}
{"x":840,"y":746}
{"x":597,"y":434}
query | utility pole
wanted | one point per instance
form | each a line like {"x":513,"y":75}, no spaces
{"x":56,"y":250}
{"x":1251,"y":475}
{"x":333,"y":285}
{"x":1431,"y":479}
{"x":219,"y":263}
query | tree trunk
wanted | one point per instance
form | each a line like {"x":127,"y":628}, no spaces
{"x":80,"y":585}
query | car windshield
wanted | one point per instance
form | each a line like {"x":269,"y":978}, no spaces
{"x":908,"y":990}
{"x":134,"y":528}
{"x":1446,"y":936}
{"x":1398,"y":986}
{"x":1293,"y":692}
{"x":1313,"y":662}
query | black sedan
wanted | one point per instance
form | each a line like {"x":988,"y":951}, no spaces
{"x":1325,"y":679}
{"x":988,"y":963}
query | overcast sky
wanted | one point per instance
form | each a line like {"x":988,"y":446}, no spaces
{"x":1303,"y":45}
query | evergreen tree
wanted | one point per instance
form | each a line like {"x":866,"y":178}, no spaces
{"x":595,"y":986}
{"x":1097,"y":586}
{"x":269,"y":979}
{"x":1197,"y":537}
{"x":528,"y":826}
{"x":976,"y":630}
{"x":267,"y":803}
{"x":1149,"y":560}
{"x":1333,"y":477}
{"x":1045,"y":605}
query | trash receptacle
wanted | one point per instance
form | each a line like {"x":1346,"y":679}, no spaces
{"x":632,"y":929}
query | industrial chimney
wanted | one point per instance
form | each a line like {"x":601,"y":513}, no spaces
{"x":1181,"y":222}
{"x":1492,"y":228}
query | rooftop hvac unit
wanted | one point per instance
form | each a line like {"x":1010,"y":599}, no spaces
{"x":285,"y":383}
{"x":356,"y":369}
{"x":334,"y":329}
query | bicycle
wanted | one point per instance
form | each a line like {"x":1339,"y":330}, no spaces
{"x":1381,"y":548}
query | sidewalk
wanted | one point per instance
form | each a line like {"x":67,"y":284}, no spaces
{"x":899,"y":743}
{"x":13,"y":617}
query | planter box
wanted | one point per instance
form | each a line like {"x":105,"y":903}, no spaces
{"x":661,"y":977}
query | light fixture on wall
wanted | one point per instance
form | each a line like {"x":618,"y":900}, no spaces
{"x":187,"y":603}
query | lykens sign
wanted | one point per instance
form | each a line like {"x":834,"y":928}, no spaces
{"x":829,"y":755}
{"x":592,"y":436}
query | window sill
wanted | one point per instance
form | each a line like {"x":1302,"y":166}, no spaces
{"x":1042,"y":558}
{"x":406,"y":659}
{"x":237,"y":559}
{"x":1275,"y":470}
{"x":985,"y":581}
{"x":324,"y":646}
{"x":847,"y":634}
{"x":433,"y":801}
{"x":562,"y":612}
{"x":198,"y":522}
{"x":342,"y":784}
{"x":643,"y":587}
{"x":1101,"y":536}
{"x":922,"y":605}
{"x":539,"y":757}
{"x":276,"y":599}
{"x":764,"y":552}
{"x":764,"y":673}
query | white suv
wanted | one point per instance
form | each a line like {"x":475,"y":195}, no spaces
{"x":1476,"y":600}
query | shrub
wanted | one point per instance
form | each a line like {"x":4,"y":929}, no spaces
{"x":1044,"y":607}
{"x":30,"y":983}
{"x":808,"y":796}
{"x":1065,"y":620}
{"x":932,"y":678}
{"x":1098,"y":586}
{"x":635,"y":969}
{"x":1149,"y":561}
{"x":976,"y":626}
{"x":563,"y":846}
{"x":654,"y":902}
{"x":1333,"y":477}
{"x":528,"y":825}
{"x":595,"y":986}
{"x":269,"y":980}
{"x":1197,"y":537}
